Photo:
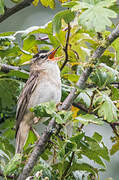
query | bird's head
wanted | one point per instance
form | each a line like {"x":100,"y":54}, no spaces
{"x":44,"y":56}
{"x":42,"y":59}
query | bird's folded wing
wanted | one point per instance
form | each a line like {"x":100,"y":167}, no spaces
{"x":25,"y":97}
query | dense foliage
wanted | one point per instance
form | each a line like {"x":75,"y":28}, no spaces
{"x":78,"y":30}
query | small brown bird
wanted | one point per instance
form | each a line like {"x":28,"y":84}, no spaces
{"x":43,"y":85}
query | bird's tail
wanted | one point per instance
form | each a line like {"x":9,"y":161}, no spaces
{"x":21,"y":136}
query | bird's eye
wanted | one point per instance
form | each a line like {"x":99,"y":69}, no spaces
{"x":42,"y":56}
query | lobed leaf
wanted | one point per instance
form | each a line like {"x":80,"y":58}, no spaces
{"x":108,"y":110}
{"x":67,"y":15}
{"x":96,"y":15}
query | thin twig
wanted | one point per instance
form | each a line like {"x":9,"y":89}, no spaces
{"x":112,"y":125}
{"x":10,"y":11}
{"x":91,"y":104}
{"x":66,"y":47}
{"x":43,"y":38}
{"x":80,"y":106}
{"x":80,"y":128}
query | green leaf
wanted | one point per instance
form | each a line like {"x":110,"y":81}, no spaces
{"x":7,"y":128}
{"x":97,"y":137}
{"x":72,"y":77}
{"x":115,"y":8}
{"x":61,"y":37}
{"x":2,"y":7}
{"x":66,"y":15}
{"x":13,"y":164}
{"x":30,"y":140}
{"x":12,"y":51}
{"x":85,"y":97}
{"x":9,"y":133}
{"x":81,"y":5}
{"x":69,"y":4}
{"x":9,"y":123}
{"x":77,"y":139}
{"x":78,"y":43}
{"x":16,"y":1}
{"x":89,"y":118}
{"x":98,"y":147}
{"x":53,"y":40}
{"x":29,"y":42}
{"x":115,"y":93}
{"x":7,"y":34}
{"x":3,"y":154}
{"x":92,"y":155}
{"x":48,"y":109}
{"x":108,"y":110}
{"x":70,"y":147}
{"x":115,"y":45}
{"x":35,"y":2}
{"x":107,"y":59}
{"x":115,"y":148}
{"x":84,"y":167}
{"x":62,"y":116}
{"x":50,"y":3}
{"x":107,"y":3}
{"x":8,"y":92}
{"x":44,"y":109}
{"x":16,"y":74}
{"x":6,"y":146}
{"x":102,"y":77}
{"x":96,"y":16}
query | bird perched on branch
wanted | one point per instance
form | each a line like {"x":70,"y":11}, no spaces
{"x":43,"y":85}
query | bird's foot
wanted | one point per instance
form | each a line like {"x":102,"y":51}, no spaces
{"x":36,"y":120}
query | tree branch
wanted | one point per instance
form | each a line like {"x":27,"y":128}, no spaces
{"x":40,"y":147}
{"x":6,"y":68}
{"x":10,"y":11}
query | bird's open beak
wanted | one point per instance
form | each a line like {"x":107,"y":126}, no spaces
{"x":51,"y":55}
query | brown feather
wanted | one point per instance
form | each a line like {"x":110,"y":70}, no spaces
{"x":25,"y":97}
